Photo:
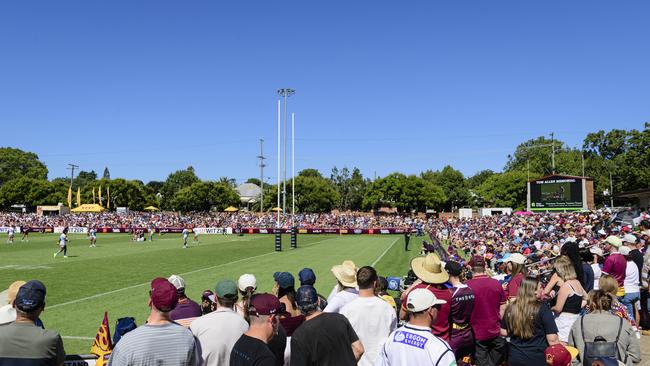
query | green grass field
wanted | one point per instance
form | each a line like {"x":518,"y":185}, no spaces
{"x":114,"y":276}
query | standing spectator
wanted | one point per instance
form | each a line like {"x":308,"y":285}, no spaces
{"x":186,"y":310}
{"x":570,"y":297}
{"x":160,"y":341}
{"x":251,"y":349}
{"x":306,"y":276}
{"x":413,"y":343}
{"x":371,"y":317}
{"x":347,"y":283}
{"x":218,"y":331}
{"x":247,"y":285}
{"x":615,"y":264}
{"x":489,"y":304}
{"x":644,"y":320}
{"x":22,"y":342}
{"x":530,"y":326}
{"x":285,"y":291}
{"x":432,"y":276}
{"x":515,"y":266}
{"x":601,"y":323}
{"x":381,"y":291}
{"x":596,"y":264}
{"x":338,"y":287}
{"x":631,"y":283}
{"x":7,"y":312}
{"x":462,"y":305}
{"x":324,"y":338}
{"x":206,"y":302}
{"x":608,"y":284}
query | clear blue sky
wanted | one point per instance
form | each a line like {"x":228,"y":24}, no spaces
{"x":149,"y":87}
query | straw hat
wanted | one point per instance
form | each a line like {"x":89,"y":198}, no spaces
{"x":350,"y":264}
{"x":429,"y":269}
{"x":345,"y":274}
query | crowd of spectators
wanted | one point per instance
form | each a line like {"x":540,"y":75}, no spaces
{"x":520,"y":290}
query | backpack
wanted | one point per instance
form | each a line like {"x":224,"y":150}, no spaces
{"x":123,"y":326}
{"x":600,"y":349}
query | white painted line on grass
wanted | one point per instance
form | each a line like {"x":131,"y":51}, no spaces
{"x":182,"y":274}
{"x":384,"y":253}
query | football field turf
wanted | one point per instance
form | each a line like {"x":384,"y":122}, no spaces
{"x":114,"y":276}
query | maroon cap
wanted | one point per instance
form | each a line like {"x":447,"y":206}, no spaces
{"x":477,"y":261}
{"x":163,"y":294}
{"x":559,"y":355}
{"x":264,"y":304}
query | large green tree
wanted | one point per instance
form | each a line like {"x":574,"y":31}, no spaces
{"x":15,"y":163}
{"x":351,"y":188}
{"x":175,"y":182}
{"x":406,"y":193}
{"x":32,"y":192}
{"x":204,"y":196}
{"x":453,"y":184}
{"x":506,"y":189}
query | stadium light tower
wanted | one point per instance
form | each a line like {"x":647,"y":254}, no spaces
{"x":262,"y":165}
{"x":285,"y":93}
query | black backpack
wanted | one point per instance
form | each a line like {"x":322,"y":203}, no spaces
{"x":600,"y":349}
{"x":123,"y":326}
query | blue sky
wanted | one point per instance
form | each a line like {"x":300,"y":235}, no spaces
{"x":149,"y":87}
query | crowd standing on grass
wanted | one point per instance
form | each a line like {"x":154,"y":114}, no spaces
{"x":517,"y":290}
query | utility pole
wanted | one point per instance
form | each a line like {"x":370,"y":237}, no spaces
{"x":553,"y":150}
{"x":285,"y":93}
{"x":71,"y":168}
{"x":611,"y":191}
{"x":262,"y":165}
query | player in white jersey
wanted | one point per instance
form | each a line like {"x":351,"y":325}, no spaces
{"x":92,"y":235}
{"x":10,"y":235}
{"x":151,"y":230}
{"x":185,"y":235}
{"x":413,"y":343}
{"x":63,"y":244}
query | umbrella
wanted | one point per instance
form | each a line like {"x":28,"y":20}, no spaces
{"x":276,"y":209}
{"x":231,"y":209}
{"x":524,"y":213}
{"x":151,"y":208}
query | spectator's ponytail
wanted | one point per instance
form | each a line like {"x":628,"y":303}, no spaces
{"x":246,"y":301}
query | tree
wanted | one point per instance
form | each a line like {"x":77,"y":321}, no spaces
{"x":203,"y":196}
{"x":31,"y":192}
{"x":453,"y":185}
{"x":107,"y":174}
{"x":154,"y":186}
{"x":310,"y":173}
{"x":255,"y":181}
{"x":506,"y":189}
{"x":125,"y":193}
{"x":313,"y":194}
{"x":478,"y":178}
{"x":232,"y":182}
{"x":15,"y":163}
{"x":351,"y":188}
{"x":84,"y":179}
{"x":175,"y":182}
{"x":406,"y":193}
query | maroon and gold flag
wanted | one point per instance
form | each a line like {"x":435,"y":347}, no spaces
{"x":102,"y":346}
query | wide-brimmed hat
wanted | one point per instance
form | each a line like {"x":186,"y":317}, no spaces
{"x":346,"y":275}
{"x":429,"y":269}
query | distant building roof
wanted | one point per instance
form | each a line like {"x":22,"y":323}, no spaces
{"x":248,"y":192}
{"x":560,"y":176}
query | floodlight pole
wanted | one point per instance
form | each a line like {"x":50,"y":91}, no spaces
{"x":262,"y":165}
{"x":279,"y":163}
{"x":293,"y":169}
{"x":285,"y":93}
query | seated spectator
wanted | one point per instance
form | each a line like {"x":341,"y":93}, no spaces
{"x":186,"y":310}
{"x":413,"y":343}
{"x":251,"y":349}
{"x":370,"y":316}
{"x":7,"y":312}
{"x":324,"y":338}
{"x":530,"y":326}
{"x":346,"y":277}
{"x":382,"y":291}
{"x":207,"y":306}
{"x":218,"y":331}
{"x":160,"y":341}
{"x":22,"y":342}
{"x":601,"y":323}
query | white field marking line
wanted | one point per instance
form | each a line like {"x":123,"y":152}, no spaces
{"x":75,"y":337}
{"x":182,"y":274}
{"x":384,"y":253}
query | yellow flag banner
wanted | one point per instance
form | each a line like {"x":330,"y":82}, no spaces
{"x":78,"y":196}
{"x":108,"y":197}
{"x":102,"y":345}
{"x":70,"y":196}
{"x":100,"y":195}
{"x":93,"y":194}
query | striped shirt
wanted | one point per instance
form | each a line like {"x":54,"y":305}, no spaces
{"x":155,"y":345}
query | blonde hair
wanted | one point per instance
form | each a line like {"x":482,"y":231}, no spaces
{"x":564,"y":268}
{"x":520,"y":314}
{"x":600,"y":300}
{"x":608,"y":284}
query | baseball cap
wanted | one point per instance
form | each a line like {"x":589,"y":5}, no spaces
{"x":306,"y":295}
{"x":421,"y":299}
{"x":306,"y":276}
{"x":453,"y":268}
{"x":177,"y":281}
{"x":284,"y":279}
{"x":516,"y":258}
{"x":163,"y":294}
{"x":13,"y":290}
{"x":30,"y":296}
{"x":477,"y":261}
{"x":614,"y":241}
{"x":264,"y":304}
{"x":207,"y":295}
{"x":559,"y":355}
{"x":245,"y":281}
{"x":226,"y":289}
{"x":629,"y":238}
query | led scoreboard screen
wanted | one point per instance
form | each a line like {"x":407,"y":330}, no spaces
{"x":556,"y":193}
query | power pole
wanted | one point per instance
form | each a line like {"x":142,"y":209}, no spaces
{"x":262,"y":165}
{"x":71,"y":168}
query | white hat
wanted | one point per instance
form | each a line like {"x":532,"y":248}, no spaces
{"x":629,"y":238}
{"x":516,"y":258}
{"x":177,"y":281}
{"x":245,"y":281}
{"x":614,"y":241}
{"x":602,"y":232}
{"x":421,"y":299}
{"x":596,"y":251}
{"x":624,"y":250}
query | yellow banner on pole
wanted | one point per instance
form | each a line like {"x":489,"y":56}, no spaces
{"x":78,"y":196}
{"x":70,"y":196}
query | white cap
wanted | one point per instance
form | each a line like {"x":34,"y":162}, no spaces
{"x":421,"y":299}
{"x":246,"y":280}
{"x":516,"y":258}
{"x":596,"y":250}
{"x":602,"y":232}
{"x":624,"y":250}
{"x":629,"y":238}
{"x":177,"y":281}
